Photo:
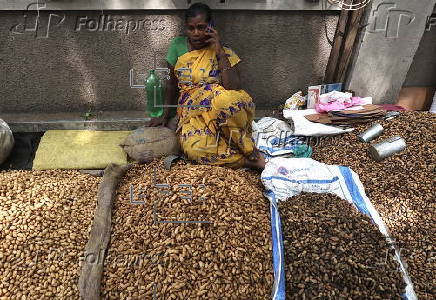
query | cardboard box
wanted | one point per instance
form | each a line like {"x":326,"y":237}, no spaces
{"x":313,"y":95}
{"x":315,"y":91}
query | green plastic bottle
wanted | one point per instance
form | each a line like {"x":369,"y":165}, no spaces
{"x":155,"y":95}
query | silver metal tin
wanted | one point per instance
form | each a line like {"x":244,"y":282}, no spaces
{"x":374,"y":131}
{"x":390,"y":115}
{"x":387,"y":148}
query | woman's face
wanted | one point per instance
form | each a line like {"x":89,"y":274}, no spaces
{"x":196,"y":31}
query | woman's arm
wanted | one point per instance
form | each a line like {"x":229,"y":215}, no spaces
{"x":170,"y":95}
{"x":229,"y":75}
{"x":171,"y":91}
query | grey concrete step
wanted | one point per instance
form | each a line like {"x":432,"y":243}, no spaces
{"x":103,"y":120}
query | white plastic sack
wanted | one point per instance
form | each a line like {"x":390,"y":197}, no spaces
{"x":6,"y":141}
{"x":302,"y":126}
{"x":287,"y":177}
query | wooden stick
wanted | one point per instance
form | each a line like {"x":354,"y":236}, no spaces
{"x":336,"y":48}
{"x":352,"y":31}
{"x":95,"y":250}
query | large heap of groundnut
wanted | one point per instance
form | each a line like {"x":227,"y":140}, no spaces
{"x":45,"y":217}
{"x":332,"y":251}
{"x":401,"y":187}
{"x":158,"y":247}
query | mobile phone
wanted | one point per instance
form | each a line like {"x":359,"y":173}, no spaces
{"x":210,"y":24}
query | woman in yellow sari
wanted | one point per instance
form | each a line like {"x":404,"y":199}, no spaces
{"x":215,"y":115}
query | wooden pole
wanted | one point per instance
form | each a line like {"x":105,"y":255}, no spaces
{"x":336,"y":49}
{"x":349,"y":42}
{"x":343,"y":45}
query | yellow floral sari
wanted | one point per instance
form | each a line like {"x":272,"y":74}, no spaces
{"x":214,"y":123}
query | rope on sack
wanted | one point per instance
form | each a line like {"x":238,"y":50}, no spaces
{"x":170,"y":159}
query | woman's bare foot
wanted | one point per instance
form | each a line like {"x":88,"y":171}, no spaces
{"x":258,"y":164}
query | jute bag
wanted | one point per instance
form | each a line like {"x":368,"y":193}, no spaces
{"x":145,"y":144}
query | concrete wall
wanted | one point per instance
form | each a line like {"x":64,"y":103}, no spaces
{"x":422,"y":72}
{"x":387,"y":47}
{"x":63,"y":66}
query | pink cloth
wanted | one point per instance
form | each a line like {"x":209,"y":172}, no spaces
{"x":392,"y":107}
{"x":339,"y":104}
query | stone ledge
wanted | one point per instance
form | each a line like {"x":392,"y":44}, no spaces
{"x":105,"y":120}
{"x":108,"y":120}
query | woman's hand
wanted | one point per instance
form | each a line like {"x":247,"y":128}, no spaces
{"x":214,"y":40}
{"x":160,"y":121}
{"x":230,"y":75}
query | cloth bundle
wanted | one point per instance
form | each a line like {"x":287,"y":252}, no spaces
{"x":275,"y":138}
{"x":338,"y":101}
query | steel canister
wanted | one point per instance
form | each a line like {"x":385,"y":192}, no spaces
{"x":387,"y":148}
{"x":371,"y":133}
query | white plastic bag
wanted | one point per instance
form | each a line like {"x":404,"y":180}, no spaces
{"x":296,"y":101}
{"x":302,"y":126}
{"x":6,"y":141}
{"x":288,"y":177}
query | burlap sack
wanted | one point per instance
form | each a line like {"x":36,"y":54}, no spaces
{"x":145,"y":144}
{"x":6,"y":141}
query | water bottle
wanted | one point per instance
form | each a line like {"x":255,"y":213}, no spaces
{"x":155,"y":95}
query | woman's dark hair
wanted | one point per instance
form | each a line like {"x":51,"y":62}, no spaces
{"x":199,"y":9}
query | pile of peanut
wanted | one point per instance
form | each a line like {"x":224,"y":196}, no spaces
{"x":154,"y":253}
{"x":401,"y":187}
{"x":45,"y":217}
{"x":332,"y":251}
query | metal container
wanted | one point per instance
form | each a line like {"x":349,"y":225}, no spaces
{"x":390,"y":115}
{"x":374,"y":131}
{"x":387,"y":148}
